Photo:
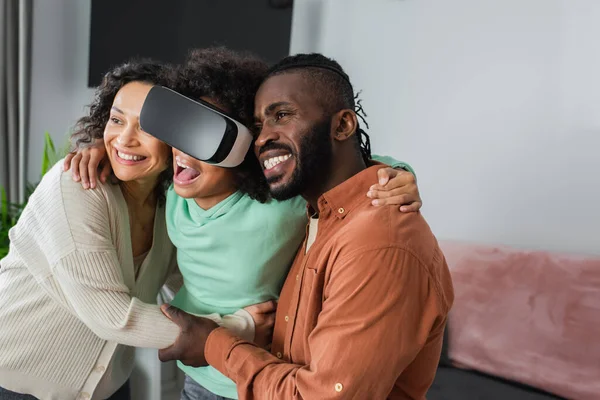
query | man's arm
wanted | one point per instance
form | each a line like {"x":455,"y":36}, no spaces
{"x":374,"y":322}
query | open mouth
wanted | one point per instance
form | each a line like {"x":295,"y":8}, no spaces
{"x":128,"y":158}
{"x":272,"y":162}
{"x":184,"y":174}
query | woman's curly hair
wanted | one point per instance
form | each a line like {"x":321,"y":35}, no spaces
{"x":230,"y":79}
{"x":91,"y":127}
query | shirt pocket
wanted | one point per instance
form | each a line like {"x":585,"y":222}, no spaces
{"x":311,"y":297}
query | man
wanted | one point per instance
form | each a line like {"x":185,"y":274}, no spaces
{"x":363,"y":310}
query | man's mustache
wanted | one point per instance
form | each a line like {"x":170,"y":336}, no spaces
{"x":274,"y":146}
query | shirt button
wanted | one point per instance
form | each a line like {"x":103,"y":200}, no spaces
{"x":100,"y":369}
{"x":341,"y":210}
{"x":298,"y":277}
{"x":339,"y":387}
{"x":279,"y":355}
{"x":84,"y":395}
{"x":287,"y":318}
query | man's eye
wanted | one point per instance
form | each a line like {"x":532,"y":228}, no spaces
{"x":281,"y":114}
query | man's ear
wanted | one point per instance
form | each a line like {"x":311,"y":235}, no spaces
{"x":345,"y":124}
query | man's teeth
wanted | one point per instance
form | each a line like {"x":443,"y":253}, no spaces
{"x":271,"y":162}
{"x":129,"y":157}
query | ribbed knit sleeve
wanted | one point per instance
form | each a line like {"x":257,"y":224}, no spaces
{"x":69,"y":239}
{"x":91,"y":276}
{"x":94,"y":289}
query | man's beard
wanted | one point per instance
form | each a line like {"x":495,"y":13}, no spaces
{"x":312,"y":163}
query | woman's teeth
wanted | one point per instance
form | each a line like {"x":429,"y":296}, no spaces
{"x":272,"y":162}
{"x":129,"y":157}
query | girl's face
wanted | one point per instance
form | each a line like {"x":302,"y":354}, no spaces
{"x":205,"y":183}
{"x":134,"y":155}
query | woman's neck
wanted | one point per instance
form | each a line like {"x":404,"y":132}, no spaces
{"x":139,"y":194}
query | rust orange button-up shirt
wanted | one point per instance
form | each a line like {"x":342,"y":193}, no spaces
{"x":361,"y":314}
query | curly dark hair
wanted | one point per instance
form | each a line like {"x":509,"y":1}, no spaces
{"x":229,"y":79}
{"x":91,"y":127}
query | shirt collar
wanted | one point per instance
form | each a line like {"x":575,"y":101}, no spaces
{"x":346,"y":196}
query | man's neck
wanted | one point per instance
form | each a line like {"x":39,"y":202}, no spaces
{"x":342,"y":168}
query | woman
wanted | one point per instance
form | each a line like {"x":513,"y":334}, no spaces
{"x":234,"y":245}
{"x":80,"y":282}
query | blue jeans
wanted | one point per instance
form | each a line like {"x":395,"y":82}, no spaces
{"x":121,"y":394}
{"x":192,"y":390}
{"x":8,"y":395}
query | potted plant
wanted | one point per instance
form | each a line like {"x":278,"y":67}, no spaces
{"x":10,"y":212}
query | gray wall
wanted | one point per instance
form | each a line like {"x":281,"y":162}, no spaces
{"x":495,"y":103}
{"x":59,"y":93}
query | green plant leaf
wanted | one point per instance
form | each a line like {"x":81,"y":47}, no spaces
{"x":10,"y":212}
{"x":49,"y":156}
{"x":4,"y":217}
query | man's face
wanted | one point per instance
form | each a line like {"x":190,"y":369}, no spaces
{"x":294,"y":144}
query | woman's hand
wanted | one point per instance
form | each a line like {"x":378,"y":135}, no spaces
{"x":84,"y":164}
{"x":398,"y":187}
{"x":263,"y":315}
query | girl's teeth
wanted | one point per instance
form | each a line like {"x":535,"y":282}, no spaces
{"x":180,"y":163}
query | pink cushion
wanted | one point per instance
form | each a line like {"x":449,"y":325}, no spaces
{"x":527,"y":316}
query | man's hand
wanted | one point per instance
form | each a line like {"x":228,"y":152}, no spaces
{"x":397,"y":187}
{"x":84,"y":164}
{"x":263,"y":315}
{"x":189,"y":346}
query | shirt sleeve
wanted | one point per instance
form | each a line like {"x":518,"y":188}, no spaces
{"x":379,"y":309}
{"x":392,"y":162}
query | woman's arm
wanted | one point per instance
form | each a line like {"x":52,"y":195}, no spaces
{"x":88,"y":277}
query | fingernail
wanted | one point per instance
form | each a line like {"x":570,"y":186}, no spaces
{"x":75,"y":178}
{"x":85,"y":185}
{"x":372,"y":187}
{"x":375,"y":202}
{"x":382,"y":181}
{"x":369,"y":194}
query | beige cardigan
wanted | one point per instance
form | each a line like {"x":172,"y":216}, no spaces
{"x":68,"y":294}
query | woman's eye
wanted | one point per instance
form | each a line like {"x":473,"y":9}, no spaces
{"x":115,"y":120}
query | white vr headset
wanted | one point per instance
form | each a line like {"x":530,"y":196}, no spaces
{"x":195,"y":127}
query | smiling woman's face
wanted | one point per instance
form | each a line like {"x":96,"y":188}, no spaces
{"x":134,"y":154}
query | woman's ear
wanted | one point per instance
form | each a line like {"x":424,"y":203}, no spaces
{"x":345,"y":124}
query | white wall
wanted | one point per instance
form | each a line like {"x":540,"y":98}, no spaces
{"x":59,"y":92}
{"x":495,"y":103}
